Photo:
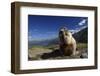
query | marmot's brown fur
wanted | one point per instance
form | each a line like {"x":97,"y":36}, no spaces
{"x":67,"y":42}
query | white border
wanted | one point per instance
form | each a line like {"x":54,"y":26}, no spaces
{"x":25,"y":64}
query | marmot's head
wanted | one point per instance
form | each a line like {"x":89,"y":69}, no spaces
{"x":65,"y":36}
{"x":64,"y":32}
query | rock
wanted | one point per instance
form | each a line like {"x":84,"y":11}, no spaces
{"x":84,"y":55}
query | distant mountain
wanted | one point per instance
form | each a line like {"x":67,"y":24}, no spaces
{"x":43,"y":42}
{"x":80,"y":36}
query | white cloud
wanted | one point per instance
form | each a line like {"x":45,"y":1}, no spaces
{"x":74,"y":31}
{"x":30,"y":38}
{"x":83,"y":27}
{"x":81,"y":23}
{"x":77,"y":29}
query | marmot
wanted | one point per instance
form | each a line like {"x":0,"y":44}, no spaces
{"x":67,"y":42}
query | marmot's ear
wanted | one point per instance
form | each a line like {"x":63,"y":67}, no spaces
{"x":63,"y":28}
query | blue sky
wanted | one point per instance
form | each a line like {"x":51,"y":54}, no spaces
{"x":46,"y":27}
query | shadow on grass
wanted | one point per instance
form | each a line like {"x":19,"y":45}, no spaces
{"x":55,"y":53}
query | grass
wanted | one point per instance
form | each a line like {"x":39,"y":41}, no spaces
{"x":82,"y":45}
{"x":34,"y":46}
{"x":52,"y":47}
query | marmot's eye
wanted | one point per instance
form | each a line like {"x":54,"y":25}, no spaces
{"x":66,"y":33}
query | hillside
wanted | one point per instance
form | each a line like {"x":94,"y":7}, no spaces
{"x":81,"y":36}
